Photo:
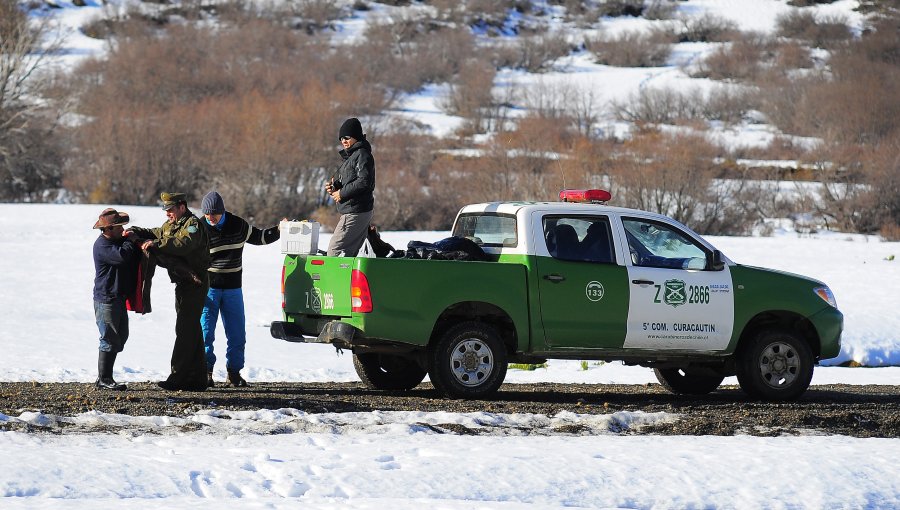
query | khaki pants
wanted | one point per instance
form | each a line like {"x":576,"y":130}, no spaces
{"x":349,"y":234}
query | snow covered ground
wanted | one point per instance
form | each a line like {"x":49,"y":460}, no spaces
{"x":287,"y":458}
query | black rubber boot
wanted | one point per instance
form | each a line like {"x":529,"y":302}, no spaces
{"x":105,"y":362}
{"x":235,"y":379}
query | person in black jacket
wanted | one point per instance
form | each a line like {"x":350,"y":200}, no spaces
{"x":227,"y":235}
{"x":352,"y":189}
{"x":115,"y":264}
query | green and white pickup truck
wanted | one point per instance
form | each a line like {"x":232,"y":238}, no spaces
{"x":575,"y":279}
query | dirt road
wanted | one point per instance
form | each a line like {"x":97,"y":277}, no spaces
{"x":860,"y":411}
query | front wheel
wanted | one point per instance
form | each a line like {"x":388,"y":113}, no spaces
{"x":688,"y":381}
{"x":468,"y":361}
{"x":387,"y":371}
{"x":776,"y":366}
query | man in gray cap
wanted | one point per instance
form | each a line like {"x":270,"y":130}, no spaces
{"x":115,"y":264}
{"x":352,"y":189}
{"x":228,"y":233}
{"x":184,"y":237}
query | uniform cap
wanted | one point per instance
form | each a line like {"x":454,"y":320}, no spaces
{"x":170,"y":200}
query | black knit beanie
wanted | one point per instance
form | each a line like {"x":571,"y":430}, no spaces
{"x":212,"y":203}
{"x":351,"y":127}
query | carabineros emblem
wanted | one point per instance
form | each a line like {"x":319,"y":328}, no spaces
{"x":675,"y":294}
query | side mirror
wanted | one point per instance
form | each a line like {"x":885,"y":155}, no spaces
{"x":714,"y":261}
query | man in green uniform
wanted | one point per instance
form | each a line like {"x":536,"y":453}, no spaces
{"x":183,"y":236}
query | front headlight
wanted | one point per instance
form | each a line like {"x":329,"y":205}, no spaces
{"x":826,"y":295}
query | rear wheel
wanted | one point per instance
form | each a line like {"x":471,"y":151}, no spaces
{"x":468,"y":361}
{"x":776,"y":366}
{"x":688,"y":381}
{"x":387,"y":371}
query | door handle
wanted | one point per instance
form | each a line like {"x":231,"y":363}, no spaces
{"x":642,"y":282}
{"x":555,"y":278}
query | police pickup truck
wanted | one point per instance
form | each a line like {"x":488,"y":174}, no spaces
{"x":574,"y":279}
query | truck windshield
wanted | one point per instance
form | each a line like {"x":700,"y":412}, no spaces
{"x":487,"y":229}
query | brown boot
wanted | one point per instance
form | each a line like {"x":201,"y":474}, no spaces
{"x":235,"y":379}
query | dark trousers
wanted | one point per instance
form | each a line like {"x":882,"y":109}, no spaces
{"x":188,"y":356}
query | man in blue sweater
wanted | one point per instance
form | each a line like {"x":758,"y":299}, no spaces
{"x":115,"y":264}
{"x":227,"y":235}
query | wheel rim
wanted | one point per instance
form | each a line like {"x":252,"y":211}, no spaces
{"x":779,"y":365}
{"x":471,"y":362}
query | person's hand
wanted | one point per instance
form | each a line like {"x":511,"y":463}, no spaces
{"x":336,"y":196}
{"x":146,"y":245}
{"x":329,"y":186}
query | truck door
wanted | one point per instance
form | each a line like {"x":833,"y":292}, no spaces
{"x":583,"y":288}
{"x":678,"y":301}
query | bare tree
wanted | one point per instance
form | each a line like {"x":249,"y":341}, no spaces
{"x":470,"y":94}
{"x":24,"y":138}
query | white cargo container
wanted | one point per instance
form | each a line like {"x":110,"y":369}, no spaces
{"x":299,"y":237}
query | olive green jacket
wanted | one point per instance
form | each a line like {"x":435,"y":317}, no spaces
{"x":186,"y":239}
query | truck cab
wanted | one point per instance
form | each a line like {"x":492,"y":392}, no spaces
{"x":575,"y":279}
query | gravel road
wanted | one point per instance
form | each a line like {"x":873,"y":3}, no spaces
{"x":859,"y":411}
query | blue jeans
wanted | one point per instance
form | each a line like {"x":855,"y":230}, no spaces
{"x":230,"y":302}
{"x":112,"y":321}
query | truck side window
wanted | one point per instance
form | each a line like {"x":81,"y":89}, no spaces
{"x":582,"y":239}
{"x":487,"y":229}
{"x":655,"y":244}
{"x":597,"y":243}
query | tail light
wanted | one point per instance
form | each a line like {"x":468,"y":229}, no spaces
{"x":282,"y":288}
{"x":360,"y":296}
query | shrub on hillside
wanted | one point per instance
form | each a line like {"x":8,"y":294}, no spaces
{"x":738,"y":60}
{"x":406,"y":54}
{"x":488,"y":16}
{"x":632,"y":49}
{"x":820,"y":32}
{"x":536,"y":52}
{"x":314,"y":15}
{"x":879,"y":42}
{"x":809,"y":3}
{"x":616,"y":8}
{"x":791,"y":56}
{"x":660,"y":9}
{"x":705,"y":28}
{"x":471,"y":95}
{"x":670,"y":106}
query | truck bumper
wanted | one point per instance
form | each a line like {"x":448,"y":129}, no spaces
{"x":829,"y":323}
{"x":333,"y":332}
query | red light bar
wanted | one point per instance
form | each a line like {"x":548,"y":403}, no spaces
{"x":317,"y":262}
{"x":585,"y":196}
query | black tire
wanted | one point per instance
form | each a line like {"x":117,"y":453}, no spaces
{"x":387,"y":371}
{"x":687,"y":381}
{"x":468,"y":361}
{"x":776,"y":366}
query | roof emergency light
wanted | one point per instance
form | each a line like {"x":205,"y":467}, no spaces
{"x":585,"y":196}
